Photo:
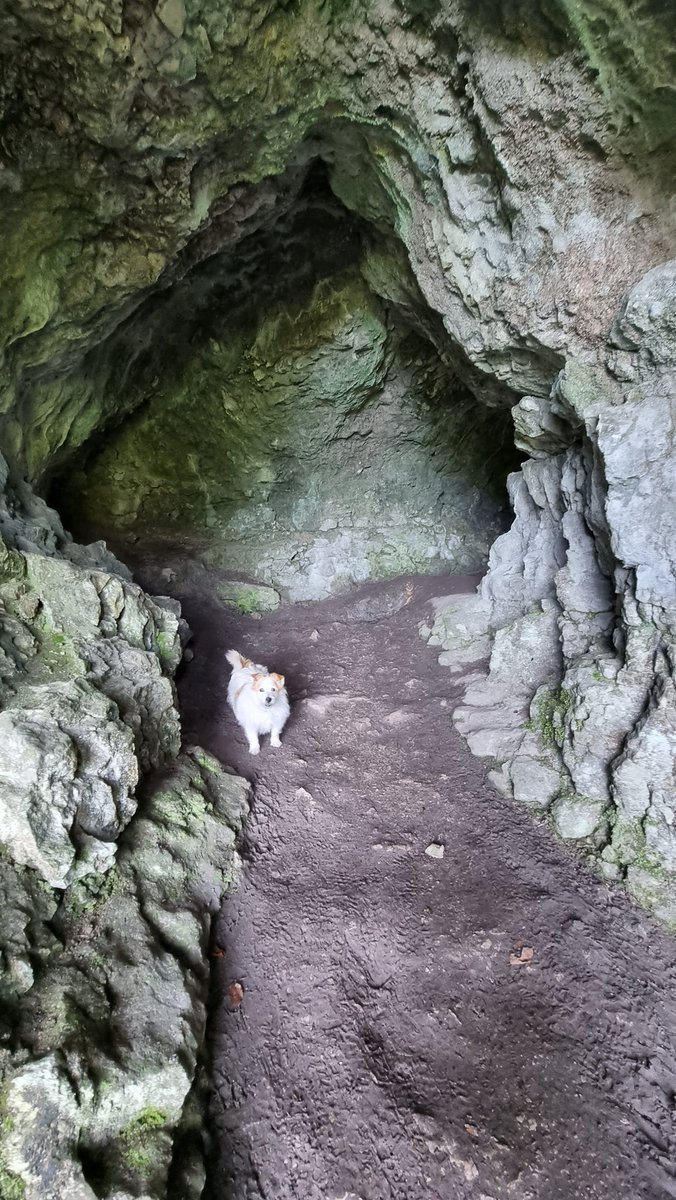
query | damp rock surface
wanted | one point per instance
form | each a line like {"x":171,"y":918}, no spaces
{"x":97,"y":1101}
{"x":490,"y":1023}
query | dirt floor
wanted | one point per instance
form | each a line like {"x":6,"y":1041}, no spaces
{"x":396,"y":1039}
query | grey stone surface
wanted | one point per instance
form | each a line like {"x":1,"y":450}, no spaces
{"x":103,"y":970}
{"x":593,"y":541}
{"x":248,"y":597}
{"x":112,"y":1026}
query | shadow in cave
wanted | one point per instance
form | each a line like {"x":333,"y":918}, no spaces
{"x":201,"y":383}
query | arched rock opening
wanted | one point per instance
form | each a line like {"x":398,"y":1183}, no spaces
{"x":285,"y":423}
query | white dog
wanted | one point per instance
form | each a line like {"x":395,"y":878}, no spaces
{"x":258,"y":700}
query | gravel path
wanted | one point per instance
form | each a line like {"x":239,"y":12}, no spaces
{"x":396,"y":1039}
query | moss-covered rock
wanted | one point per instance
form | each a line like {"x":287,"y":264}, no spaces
{"x":311,"y":448}
{"x":121,"y":997}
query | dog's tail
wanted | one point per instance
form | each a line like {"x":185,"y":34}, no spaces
{"x":235,"y":659}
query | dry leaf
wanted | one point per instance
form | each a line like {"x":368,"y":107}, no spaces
{"x":524,"y":955}
{"x":471,"y":1130}
{"x":235,"y":994}
{"x":217,"y":952}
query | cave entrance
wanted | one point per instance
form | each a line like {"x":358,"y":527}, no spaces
{"x":279,"y":420}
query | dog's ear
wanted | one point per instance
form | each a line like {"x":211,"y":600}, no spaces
{"x":279,"y":679}
{"x":255,"y":678}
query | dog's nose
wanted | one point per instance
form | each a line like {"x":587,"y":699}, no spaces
{"x":268,"y":699}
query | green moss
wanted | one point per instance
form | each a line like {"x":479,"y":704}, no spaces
{"x":207,"y":763}
{"x":183,"y":808}
{"x":247,"y":602}
{"x":139,"y":1146}
{"x":11,"y":1186}
{"x":88,"y":894}
{"x":139,"y":1160}
{"x":630,"y":53}
{"x":551,"y":716}
{"x":645,"y":862}
{"x":148,"y":1118}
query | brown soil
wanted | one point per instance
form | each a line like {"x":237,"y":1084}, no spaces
{"x":395,"y":1038}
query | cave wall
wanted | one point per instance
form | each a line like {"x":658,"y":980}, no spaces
{"x":136,"y":142}
{"x":311,"y":448}
{"x":116,"y":851}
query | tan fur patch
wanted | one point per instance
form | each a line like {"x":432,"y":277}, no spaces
{"x":255,"y":678}
{"x":279,"y":679}
{"x":246,"y":662}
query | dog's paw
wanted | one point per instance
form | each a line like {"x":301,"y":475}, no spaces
{"x":254,"y":749}
{"x":275,"y":742}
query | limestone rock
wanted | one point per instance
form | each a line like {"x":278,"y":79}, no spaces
{"x":131,"y":965}
{"x":593,"y":537}
{"x":67,"y":778}
{"x":365,"y":457}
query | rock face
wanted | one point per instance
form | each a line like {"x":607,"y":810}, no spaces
{"x":578,"y":609}
{"x":106,"y":910}
{"x":122,"y":1003}
{"x":87,"y":704}
{"x":318,"y":449}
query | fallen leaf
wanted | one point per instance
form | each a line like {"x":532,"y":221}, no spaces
{"x":235,"y":994}
{"x":525,"y":955}
{"x":217,"y":952}
{"x":471,"y":1130}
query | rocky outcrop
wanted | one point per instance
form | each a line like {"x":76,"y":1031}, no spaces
{"x":495,"y":183}
{"x":106,"y":908}
{"x":224,"y":225}
{"x":113,"y":1024}
{"x":578,"y":610}
{"x":87,"y":701}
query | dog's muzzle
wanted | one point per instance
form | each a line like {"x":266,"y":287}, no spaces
{"x":268,"y":699}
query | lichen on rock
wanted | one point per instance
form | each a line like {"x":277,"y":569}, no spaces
{"x":114,"y":1020}
{"x":106,"y":908}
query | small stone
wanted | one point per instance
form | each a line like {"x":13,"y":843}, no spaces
{"x":435,"y":850}
{"x":314,"y":636}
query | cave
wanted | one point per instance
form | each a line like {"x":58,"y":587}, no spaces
{"x":340,"y":337}
{"x":286,"y":424}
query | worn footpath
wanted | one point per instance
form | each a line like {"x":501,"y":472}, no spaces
{"x":417,"y":991}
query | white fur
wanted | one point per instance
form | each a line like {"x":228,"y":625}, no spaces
{"x":248,"y":691}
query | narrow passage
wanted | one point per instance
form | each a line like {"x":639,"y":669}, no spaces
{"x":396,"y":1039}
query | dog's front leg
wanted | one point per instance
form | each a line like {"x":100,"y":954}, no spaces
{"x":274,"y":738}
{"x":254,"y":744}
